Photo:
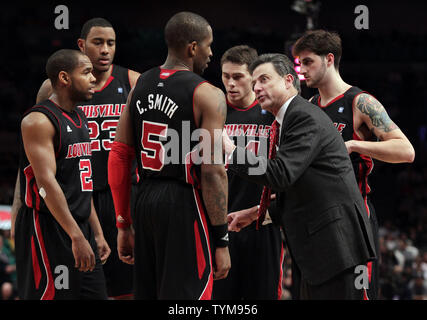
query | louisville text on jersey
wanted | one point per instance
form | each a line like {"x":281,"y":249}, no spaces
{"x":340,"y":126}
{"x":249,"y":130}
{"x":103,"y":110}
{"x":77,"y":150}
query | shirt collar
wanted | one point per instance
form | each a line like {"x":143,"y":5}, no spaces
{"x":280,"y":115}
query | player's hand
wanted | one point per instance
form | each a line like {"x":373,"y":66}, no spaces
{"x":125,"y":245}
{"x":227,"y":144}
{"x":240,"y":219}
{"x":103,"y":248}
{"x":83,"y":254}
{"x":349,"y":145}
{"x":222,"y":263}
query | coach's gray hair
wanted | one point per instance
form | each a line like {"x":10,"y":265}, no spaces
{"x":281,"y":63}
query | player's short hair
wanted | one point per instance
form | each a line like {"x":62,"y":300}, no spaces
{"x":184,"y":28}
{"x":62,"y":60}
{"x":281,"y":63}
{"x":320,"y":42}
{"x":241,"y":55}
{"x":94,"y":22}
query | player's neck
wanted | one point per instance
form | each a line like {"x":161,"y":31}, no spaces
{"x":175,"y":63}
{"x":101,"y":77}
{"x":243,"y":103}
{"x":332,"y":87}
{"x":63,"y":101}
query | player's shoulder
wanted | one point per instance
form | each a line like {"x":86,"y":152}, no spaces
{"x":45,"y":91}
{"x":132,"y":75}
{"x":46,"y":84}
{"x":206,"y":88}
{"x":35,"y":119}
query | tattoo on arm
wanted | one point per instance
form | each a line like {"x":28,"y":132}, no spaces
{"x":377,"y":113}
{"x":215,"y":196}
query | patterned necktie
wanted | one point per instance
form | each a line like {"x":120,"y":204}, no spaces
{"x":266,"y":192}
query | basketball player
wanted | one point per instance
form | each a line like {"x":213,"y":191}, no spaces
{"x":180,"y":243}
{"x":361,"y":119}
{"x":113,"y":83}
{"x":57,"y":229}
{"x":253,"y":252}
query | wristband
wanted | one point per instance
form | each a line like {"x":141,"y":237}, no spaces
{"x":220,"y":235}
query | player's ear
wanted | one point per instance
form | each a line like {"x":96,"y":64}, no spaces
{"x":192,"y":47}
{"x":63,"y":78}
{"x":330,"y":59}
{"x":81,"y":43}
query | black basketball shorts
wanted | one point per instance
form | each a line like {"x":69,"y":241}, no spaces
{"x":173,"y":259}
{"x":45,"y":261}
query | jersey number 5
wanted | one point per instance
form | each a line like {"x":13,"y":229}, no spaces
{"x":153,"y":152}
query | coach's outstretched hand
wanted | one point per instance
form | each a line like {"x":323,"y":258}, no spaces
{"x":238,"y":220}
{"x":125,"y":244}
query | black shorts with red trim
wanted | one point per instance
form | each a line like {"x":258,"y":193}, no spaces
{"x":172,"y":245}
{"x":257,"y":261}
{"x":118,"y":275}
{"x":45,"y":261}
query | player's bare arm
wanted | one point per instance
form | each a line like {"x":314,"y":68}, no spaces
{"x":124,"y":127}
{"x":211,"y":111}
{"x":38,"y":136}
{"x":393,"y":146}
{"x":214,"y":178}
{"x":133,"y":77}
{"x":101,"y":244}
{"x":44,"y":92}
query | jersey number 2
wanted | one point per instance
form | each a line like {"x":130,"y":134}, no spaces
{"x":86,"y":175}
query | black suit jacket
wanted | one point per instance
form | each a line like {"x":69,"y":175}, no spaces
{"x":318,"y":202}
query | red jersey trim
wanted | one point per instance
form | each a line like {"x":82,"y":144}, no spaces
{"x":49,"y":292}
{"x":110,"y":78}
{"x":333,"y":100}
{"x":253,"y":104}
{"x":36,"y":264}
{"x":201,"y":261}
{"x":206,"y":294}
{"x":69,"y":118}
{"x":166,"y":73}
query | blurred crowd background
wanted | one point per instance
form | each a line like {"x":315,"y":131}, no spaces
{"x":389,"y":60}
